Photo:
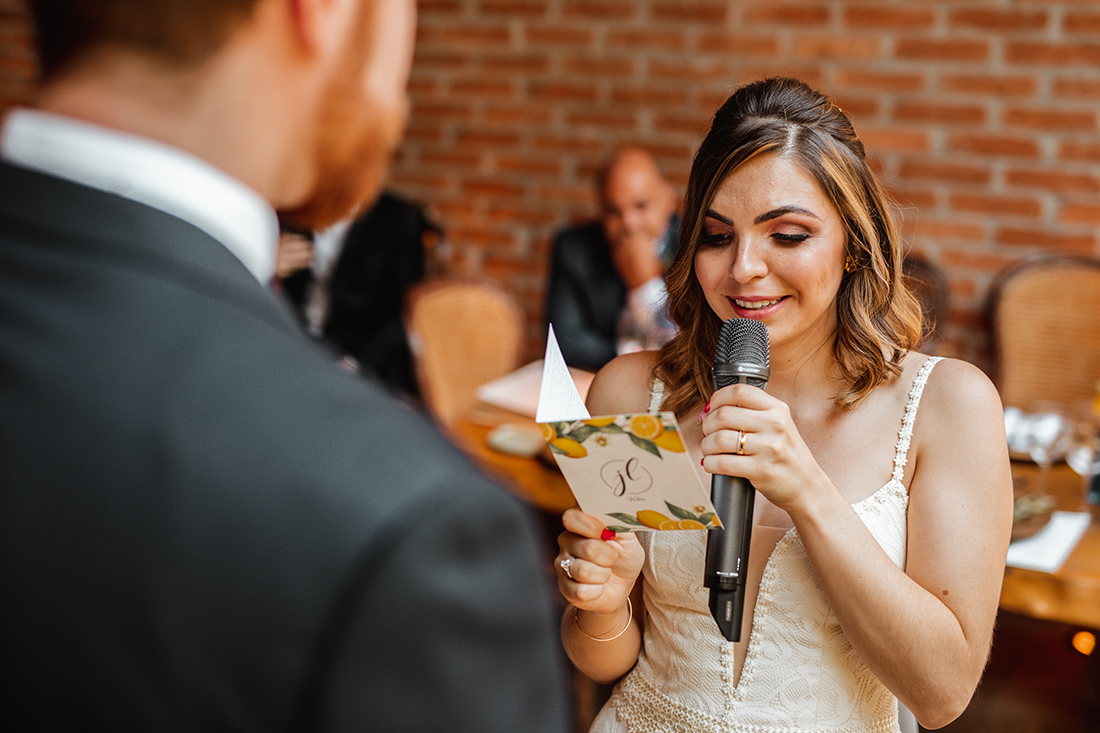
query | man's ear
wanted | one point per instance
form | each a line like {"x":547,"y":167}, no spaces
{"x":320,"y":25}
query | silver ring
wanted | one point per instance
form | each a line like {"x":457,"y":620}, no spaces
{"x":567,"y":565}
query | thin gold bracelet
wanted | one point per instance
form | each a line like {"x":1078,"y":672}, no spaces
{"x":629,"y":618}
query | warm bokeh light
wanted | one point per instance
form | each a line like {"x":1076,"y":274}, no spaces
{"x":1084,"y":642}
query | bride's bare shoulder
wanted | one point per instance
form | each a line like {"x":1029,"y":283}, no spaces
{"x":623,"y":385}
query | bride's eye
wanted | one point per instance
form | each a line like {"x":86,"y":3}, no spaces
{"x":714,"y":239}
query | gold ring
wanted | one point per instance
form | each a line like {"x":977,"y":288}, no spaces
{"x":741,"y":443}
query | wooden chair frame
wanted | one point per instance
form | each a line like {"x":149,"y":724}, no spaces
{"x":1045,"y":318}
{"x":464,"y":331}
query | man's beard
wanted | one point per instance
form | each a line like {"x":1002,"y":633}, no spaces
{"x":355,"y":143}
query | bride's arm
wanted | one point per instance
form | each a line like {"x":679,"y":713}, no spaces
{"x":599,"y":633}
{"x":926,"y":632}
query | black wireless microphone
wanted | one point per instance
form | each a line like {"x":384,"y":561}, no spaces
{"x":742,"y":358}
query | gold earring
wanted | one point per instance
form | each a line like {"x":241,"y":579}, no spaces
{"x":849,"y":264}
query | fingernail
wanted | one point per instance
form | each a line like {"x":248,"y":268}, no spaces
{"x":607,"y":534}
{"x":706,"y":407}
{"x":701,"y":461}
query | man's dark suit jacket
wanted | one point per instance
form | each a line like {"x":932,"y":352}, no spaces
{"x":586,"y":295}
{"x":206,"y":525}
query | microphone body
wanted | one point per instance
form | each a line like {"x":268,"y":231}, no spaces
{"x":742,"y":358}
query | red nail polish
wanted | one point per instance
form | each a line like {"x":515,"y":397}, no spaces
{"x":607,"y":534}
{"x":706,"y":407}
{"x":701,"y":461}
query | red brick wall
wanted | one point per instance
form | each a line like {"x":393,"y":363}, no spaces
{"x":983,"y":116}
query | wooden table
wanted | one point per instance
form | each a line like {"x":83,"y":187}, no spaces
{"x":535,"y":480}
{"x":1071,"y":595}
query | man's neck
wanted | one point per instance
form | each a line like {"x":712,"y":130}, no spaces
{"x":201,"y":111}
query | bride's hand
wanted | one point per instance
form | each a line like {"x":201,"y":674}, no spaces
{"x":602,"y":571}
{"x":749,"y":433}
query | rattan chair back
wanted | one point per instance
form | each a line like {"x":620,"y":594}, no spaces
{"x":464,"y":331}
{"x":1046,"y":331}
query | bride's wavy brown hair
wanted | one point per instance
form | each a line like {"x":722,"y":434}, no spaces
{"x":878,"y":318}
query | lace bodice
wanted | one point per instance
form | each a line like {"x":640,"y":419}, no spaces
{"x":800,"y":673}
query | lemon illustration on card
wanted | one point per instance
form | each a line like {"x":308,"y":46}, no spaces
{"x":648,"y":518}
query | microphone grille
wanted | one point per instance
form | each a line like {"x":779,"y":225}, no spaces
{"x":743,"y":341}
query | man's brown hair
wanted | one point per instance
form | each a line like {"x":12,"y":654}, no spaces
{"x":179,"y":33}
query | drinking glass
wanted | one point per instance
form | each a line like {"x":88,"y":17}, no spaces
{"x":1083,"y":454}
{"x":1048,"y":434}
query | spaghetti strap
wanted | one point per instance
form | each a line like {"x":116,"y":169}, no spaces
{"x":901,"y":452}
{"x":656,"y":396}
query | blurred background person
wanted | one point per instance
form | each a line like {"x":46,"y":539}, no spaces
{"x":606,"y":291}
{"x":206,"y":525}
{"x":386,"y":251}
{"x":294,"y":257}
{"x":349,"y":283}
{"x":294,"y":262}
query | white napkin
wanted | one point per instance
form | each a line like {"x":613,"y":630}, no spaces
{"x":1049,"y":547}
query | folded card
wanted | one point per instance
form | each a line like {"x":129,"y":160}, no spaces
{"x":631,"y":470}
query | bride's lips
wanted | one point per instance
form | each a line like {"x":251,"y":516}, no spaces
{"x":755,"y":307}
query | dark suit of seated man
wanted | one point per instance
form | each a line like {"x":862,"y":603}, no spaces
{"x":206,"y":525}
{"x":606,"y":287}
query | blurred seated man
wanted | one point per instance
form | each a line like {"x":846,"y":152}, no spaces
{"x":606,"y":291}
{"x":349,"y":283}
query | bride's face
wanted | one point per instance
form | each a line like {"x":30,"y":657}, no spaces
{"x":772,"y":249}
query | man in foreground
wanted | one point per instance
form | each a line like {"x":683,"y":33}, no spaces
{"x":205,"y":524}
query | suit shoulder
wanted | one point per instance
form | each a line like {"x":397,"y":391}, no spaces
{"x":585,"y":235}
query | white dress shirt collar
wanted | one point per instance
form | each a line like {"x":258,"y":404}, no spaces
{"x":150,"y":173}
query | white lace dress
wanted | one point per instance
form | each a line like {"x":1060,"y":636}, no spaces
{"x":799,"y":674}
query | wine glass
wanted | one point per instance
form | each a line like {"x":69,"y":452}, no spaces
{"x":1083,"y":453}
{"x":1047,"y":438}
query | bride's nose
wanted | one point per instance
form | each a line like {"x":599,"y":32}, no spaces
{"x":748,"y":262}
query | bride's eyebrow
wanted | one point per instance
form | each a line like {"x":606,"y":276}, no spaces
{"x":790,"y":209}
{"x":767,"y":216}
